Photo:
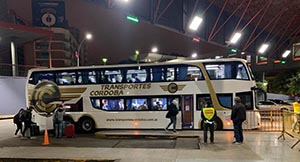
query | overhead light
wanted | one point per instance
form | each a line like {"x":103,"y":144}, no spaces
{"x":88,"y":36}
{"x":195,"y":23}
{"x":194,"y":55}
{"x":154,"y":49}
{"x":132,"y":19}
{"x":235,"y":38}
{"x":263,"y":48}
{"x":286,"y":53}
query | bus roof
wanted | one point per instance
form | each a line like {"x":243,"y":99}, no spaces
{"x":172,"y":62}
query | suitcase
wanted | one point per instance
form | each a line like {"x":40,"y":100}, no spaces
{"x":70,"y":130}
{"x":35,"y":130}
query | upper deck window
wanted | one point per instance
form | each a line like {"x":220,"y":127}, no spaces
{"x":37,"y":77}
{"x":88,"y":77}
{"x":66,"y":77}
{"x":227,"y":70}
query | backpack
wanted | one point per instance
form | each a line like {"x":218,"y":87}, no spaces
{"x":22,"y":116}
{"x":16,"y":118}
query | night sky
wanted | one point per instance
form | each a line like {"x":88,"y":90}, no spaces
{"x":115,"y":37}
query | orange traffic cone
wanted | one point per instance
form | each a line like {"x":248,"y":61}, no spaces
{"x":46,"y":138}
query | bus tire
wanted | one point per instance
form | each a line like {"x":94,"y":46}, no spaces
{"x":86,"y":125}
{"x":218,"y":124}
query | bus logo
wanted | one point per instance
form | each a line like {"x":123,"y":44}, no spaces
{"x":43,"y":96}
{"x":172,"y":87}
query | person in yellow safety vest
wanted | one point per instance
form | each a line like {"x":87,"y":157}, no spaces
{"x":296,"y":106}
{"x":208,"y":116}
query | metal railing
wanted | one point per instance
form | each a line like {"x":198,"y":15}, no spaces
{"x":291,"y":126}
{"x":267,"y":120}
{"x":20,"y":70}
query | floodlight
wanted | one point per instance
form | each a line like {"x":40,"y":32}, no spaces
{"x":286,"y":53}
{"x":194,"y":55}
{"x":235,"y":38}
{"x":263,"y":48}
{"x":195,"y":23}
{"x":154,"y":49}
{"x":88,"y":36}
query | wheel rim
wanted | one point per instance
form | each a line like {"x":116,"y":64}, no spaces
{"x":87,"y":125}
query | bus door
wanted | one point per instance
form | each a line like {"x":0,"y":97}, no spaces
{"x":187,"y":111}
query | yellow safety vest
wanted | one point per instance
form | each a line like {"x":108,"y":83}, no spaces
{"x":296,"y":106}
{"x":208,"y":112}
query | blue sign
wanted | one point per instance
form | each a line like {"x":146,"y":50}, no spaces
{"x":48,"y":13}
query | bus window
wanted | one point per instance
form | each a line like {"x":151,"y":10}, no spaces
{"x":247,"y":99}
{"x":241,"y":72}
{"x":202,"y":101}
{"x":156,"y":74}
{"x":159,"y":104}
{"x":136,"y":75}
{"x":112,"y":104}
{"x":137,"y":104}
{"x":37,"y":77}
{"x":66,"y":78}
{"x":88,"y":77}
{"x":96,"y":103}
{"x":112,"y":76}
{"x":189,"y":73}
{"x":225,"y":100}
{"x":230,"y":70}
{"x":170,"y":74}
{"x":182,"y":73}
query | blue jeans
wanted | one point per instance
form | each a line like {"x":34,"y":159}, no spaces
{"x":58,"y":129}
{"x":238,"y":131}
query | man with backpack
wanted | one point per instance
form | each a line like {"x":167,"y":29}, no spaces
{"x":18,"y":121}
{"x":27,"y":121}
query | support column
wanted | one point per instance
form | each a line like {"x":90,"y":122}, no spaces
{"x":14,"y":60}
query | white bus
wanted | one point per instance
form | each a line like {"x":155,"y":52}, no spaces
{"x":135,"y":96}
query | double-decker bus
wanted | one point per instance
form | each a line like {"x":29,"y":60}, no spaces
{"x":136,"y":96}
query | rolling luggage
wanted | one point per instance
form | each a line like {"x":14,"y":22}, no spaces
{"x":35,"y":130}
{"x":70,"y":130}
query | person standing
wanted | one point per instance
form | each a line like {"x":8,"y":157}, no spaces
{"x":27,"y":121}
{"x":208,"y":115}
{"x":238,"y":116}
{"x":18,"y":121}
{"x":296,"y":106}
{"x":58,"y":118}
{"x":172,"y":113}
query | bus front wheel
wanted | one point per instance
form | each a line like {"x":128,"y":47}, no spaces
{"x":86,"y":124}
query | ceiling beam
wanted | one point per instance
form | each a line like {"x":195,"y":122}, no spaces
{"x":212,"y":31}
{"x":169,"y":4}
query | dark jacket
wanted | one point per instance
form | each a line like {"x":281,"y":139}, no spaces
{"x":172,"y":110}
{"x":238,"y":113}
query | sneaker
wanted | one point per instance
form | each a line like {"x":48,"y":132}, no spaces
{"x":212,"y":142}
{"x":174,"y":131}
{"x":237,"y":143}
{"x":233,"y":142}
{"x":205,"y":143}
{"x":166,"y":130}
